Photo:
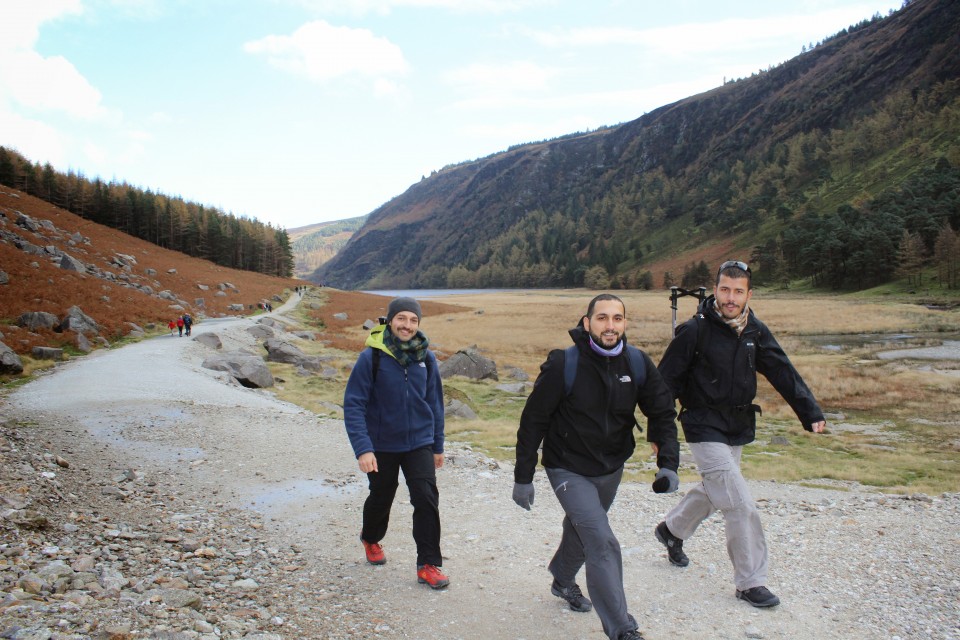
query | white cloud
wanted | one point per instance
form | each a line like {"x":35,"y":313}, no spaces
{"x":31,"y":138}
{"x":33,"y":81}
{"x":384,"y":7}
{"x":21,"y":22}
{"x":703,"y":38}
{"x":48,"y":84}
{"x":95,"y":152}
{"x":323,"y":52}
{"x":498,"y":80}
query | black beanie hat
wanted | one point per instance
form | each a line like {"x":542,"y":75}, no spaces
{"x":403,"y":304}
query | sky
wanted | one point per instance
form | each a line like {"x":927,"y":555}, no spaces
{"x":295,"y":112}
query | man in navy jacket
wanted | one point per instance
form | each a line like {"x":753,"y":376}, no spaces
{"x":393,"y":412}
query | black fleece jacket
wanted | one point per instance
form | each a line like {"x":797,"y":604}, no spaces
{"x":717,"y":389}
{"x":590,"y":431}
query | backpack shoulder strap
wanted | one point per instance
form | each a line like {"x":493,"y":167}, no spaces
{"x":638,"y":368}
{"x":701,"y":337}
{"x":571,"y":356}
{"x":376,"y":363}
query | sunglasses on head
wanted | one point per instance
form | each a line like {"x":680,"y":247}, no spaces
{"x":734,"y":263}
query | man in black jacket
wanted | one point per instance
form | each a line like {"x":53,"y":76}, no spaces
{"x":711,"y":365}
{"x":587,"y":433}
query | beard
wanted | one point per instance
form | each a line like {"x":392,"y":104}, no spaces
{"x":600,"y":342}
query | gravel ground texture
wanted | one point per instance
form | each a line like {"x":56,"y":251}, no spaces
{"x":142,"y":496}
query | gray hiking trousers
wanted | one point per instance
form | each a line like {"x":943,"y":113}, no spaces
{"x":589,"y":540}
{"x":724,"y":489}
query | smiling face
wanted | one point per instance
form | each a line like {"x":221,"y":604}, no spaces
{"x":732,"y":294}
{"x":404,"y":325}
{"x":607,"y":323}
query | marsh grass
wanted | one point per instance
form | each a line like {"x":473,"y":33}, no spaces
{"x":893,"y":424}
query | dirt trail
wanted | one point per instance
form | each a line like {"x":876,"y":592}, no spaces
{"x":846,"y":564}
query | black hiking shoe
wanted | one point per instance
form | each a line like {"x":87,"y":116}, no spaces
{"x":573,"y":596}
{"x":673,"y":544}
{"x":758,"y":597}
{"x":630,"y":635}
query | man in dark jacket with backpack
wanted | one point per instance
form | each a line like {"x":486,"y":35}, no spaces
{"x":393,"y":412}
{"x":711,"y":365}
{"x":582,"y":410}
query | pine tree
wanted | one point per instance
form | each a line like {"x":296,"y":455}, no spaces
{"x":910,"y":258}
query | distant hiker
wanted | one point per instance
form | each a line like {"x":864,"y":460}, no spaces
{"x":187,"y":323}
{"x":393,"y":412}
{"x":582,"y":410}
{"x":172,"y":325}
{"x":180,"y":325}
{"x":711,"y":365}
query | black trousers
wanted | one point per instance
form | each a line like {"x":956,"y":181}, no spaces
{"x":421,"y":477}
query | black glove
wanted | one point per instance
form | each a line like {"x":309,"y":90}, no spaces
{"x":523,"y":495}
{"x":666,"y":481}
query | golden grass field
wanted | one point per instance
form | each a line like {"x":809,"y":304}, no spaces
{"x":893,"y":424}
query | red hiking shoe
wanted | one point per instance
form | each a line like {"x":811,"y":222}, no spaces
{"x":374,"y":552}
{"x":429,"y":574}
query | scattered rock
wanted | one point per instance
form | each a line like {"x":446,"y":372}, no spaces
{"x":469,"y":363}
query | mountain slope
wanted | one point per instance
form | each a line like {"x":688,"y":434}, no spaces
{"x":315,"y":244}
{"x":632,"y":197}
{"x":115,"y":278}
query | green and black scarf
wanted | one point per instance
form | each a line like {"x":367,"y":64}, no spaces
{"x":406,"y":353}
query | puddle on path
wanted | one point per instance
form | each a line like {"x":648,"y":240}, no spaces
{"x":300,"y":493}
{"x":145,"y":437}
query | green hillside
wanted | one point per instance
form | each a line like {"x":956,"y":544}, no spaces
{"x":839,"y":166}
{"x":315,"y":244}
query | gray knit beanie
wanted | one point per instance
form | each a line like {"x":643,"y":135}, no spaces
{"x":403,"y":304}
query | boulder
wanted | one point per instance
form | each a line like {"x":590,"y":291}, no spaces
{"x":83,"y":343}
{"x":282,"y":351}
{"x":47,"y":353}
{"x":33,"y":320}
{"x":77,"y":320}
{"x":470,"y":364}
{"x":518,"y":388}
{"x":212,"y":340}
{"x":9,"y":361}
{"x":515,"y":373}
{"x":272,"y":322}
{"x":456,"y":409}
{"x":28,"y":223}
{"x":135,"y":330}
{"x":247,"y":369}
{"x":4,"y":278}
{"x":261,"y":332}
{"x":70,"y":263}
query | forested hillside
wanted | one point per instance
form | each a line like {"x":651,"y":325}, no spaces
{"x":840,"y":166}
{"x":168,"y":222}
{"x":315,"y":244}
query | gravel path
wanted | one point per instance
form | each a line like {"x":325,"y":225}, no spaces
{"x":184,"y":483}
